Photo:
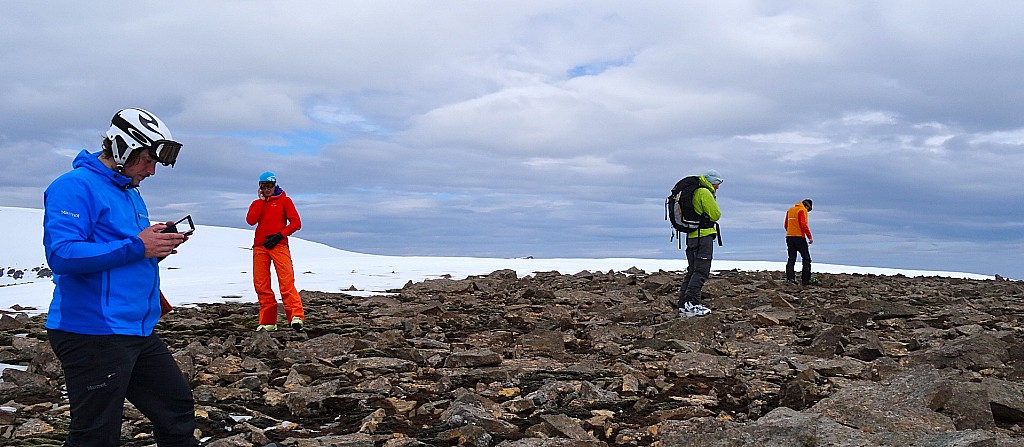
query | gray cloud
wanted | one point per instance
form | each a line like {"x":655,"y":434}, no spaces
{"x":548,"y":128}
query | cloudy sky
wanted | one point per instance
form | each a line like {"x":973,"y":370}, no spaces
{"x":548,"y":128}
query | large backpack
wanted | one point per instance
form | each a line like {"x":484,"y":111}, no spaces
{"x":679,"y":209}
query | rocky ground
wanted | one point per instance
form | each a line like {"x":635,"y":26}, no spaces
{"x":589,"y":359}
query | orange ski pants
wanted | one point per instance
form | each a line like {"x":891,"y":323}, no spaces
{"x":281,"y":256}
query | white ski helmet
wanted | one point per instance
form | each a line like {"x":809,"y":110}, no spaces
{"x":132,"y":129}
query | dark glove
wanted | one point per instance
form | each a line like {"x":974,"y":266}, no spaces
{"x":272,"y":240}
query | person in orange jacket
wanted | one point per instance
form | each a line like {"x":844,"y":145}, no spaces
{"x":275,"y":218}
{"x":798,"y":238}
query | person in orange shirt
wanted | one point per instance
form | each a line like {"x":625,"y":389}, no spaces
{"x":798,"y":237}
{"x":275,"y":218}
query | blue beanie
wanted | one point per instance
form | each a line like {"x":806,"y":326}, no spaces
{"x":713,"y":177}
{"x":268,"y":177}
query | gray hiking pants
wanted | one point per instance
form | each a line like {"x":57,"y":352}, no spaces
{"x":699,"y":251}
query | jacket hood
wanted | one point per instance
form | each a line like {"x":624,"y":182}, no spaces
{"x":93,"y":163}
{"x":704,"y":183}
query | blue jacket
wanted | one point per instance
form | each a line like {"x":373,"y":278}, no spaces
{"x":104,"y":282}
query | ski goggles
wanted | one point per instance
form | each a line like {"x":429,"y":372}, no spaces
{"x":165,"y":151}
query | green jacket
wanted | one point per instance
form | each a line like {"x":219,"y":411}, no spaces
{"x":704,"y":203}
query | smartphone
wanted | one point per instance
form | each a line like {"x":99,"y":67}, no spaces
{"x":183,"y":226}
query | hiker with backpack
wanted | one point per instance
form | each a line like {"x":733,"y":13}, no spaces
{"x":693,"y":210}
{"x":798,"y":237}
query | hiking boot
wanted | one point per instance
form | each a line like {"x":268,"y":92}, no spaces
{"x":266,"y":327}
{"x":693,"y":310}
{"x":792,"y":281}
{"x":296,"y":323}
{"x":812,"y":282}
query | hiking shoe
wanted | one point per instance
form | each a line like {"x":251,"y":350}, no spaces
{"x":811,"y":282}
{"x":792,"y":281}
{"x":296,"y":323}
{"x":266,"y":327}
{"x":693,"y":310}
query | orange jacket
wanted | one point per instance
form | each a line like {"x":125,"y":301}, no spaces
{"x":275,"y":214}
{"x":796,"y":222}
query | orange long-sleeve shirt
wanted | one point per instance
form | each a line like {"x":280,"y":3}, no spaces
{"x":796,"y":222}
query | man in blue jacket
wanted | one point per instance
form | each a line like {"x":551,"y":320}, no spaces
{"x":103,"y":252}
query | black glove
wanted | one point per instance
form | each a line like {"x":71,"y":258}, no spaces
{"x":272,"y":240}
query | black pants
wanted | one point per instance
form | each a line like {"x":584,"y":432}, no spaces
{"x":797,"y":244}
{"x":699,"y":251}
{"x":101,"y":371}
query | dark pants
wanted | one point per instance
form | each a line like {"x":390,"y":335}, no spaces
{"x":797,"y":244}
{"x":699,"y":251}
{"x":101,"y":371}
